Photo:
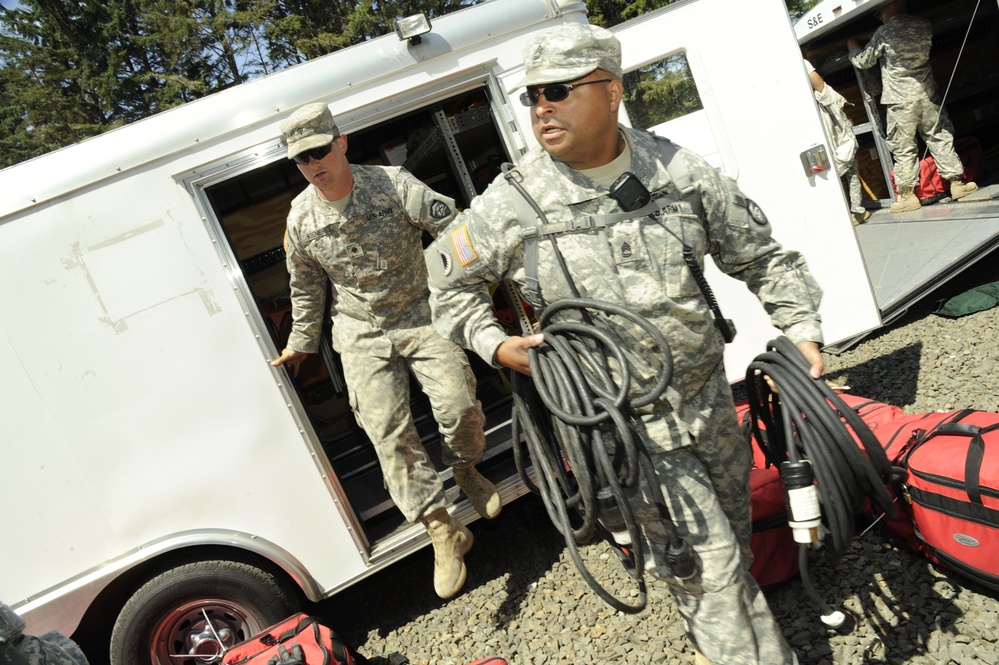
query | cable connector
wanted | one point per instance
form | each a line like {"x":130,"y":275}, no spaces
{"x":681,"y":560}
{"x":611,"y":518}
{"x":841,"y":621}
{"x":803,"y":508}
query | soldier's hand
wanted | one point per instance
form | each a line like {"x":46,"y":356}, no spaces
{"x":284,"y":657}
{"x":512,"y":352}
{"x":813,"y":354}
{"x":290,"y":357}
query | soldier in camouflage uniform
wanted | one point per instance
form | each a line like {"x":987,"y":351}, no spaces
{"x":701,"y":461}
{"x":16,"y":648}
{"x":839,"y":129}
{"x":361,"y":228}
{"x":909,"y":91}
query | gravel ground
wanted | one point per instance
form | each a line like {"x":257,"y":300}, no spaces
{"x":525,"y":601}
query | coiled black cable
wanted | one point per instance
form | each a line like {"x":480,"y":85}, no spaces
{"x":578,"y":430}
{"x":804,"y":420}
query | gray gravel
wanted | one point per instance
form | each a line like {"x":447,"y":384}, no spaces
{"x":526,"y":602}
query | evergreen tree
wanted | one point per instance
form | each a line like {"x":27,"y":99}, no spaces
{"x":70,"y":70}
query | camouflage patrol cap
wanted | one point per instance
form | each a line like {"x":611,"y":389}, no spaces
{"x":310,"y":126}
{"x":570,"y":51}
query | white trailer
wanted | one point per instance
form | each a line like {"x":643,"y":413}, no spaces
{"x":909,"y":255}
{"x":172,"y":492}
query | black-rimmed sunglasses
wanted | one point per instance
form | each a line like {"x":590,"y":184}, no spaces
{"x":555,"y":92}
{"x":317,"y":154}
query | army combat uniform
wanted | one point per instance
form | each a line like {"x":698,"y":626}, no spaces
{"x":839,"y":129}
{"x":909,"y":92}
{"x":701,"y":460}
{"x":373,"y":254}
{"x":16,"y":648}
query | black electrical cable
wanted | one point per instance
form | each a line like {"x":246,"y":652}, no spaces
{"x":575,"y":416}
{"x":803,"y":423}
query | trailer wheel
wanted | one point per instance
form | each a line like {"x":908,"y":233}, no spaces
{"x":192,"y":614}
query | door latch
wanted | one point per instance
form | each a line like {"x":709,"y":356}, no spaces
{"x":815,"y":160}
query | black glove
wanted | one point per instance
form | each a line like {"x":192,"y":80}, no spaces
{"x":296,"y":657}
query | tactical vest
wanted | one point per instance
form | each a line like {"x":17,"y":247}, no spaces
{"x":535,"y":226}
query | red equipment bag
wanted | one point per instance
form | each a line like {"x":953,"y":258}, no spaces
{"x":897,"y":437}
{"x":952,"y":485}
{"x":931,"y":184}
{"x":319,"y":644}
{"x":772,"y":542}
{"x":775,"y":554}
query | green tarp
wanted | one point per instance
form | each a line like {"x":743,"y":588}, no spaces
{"x":973,"y":300}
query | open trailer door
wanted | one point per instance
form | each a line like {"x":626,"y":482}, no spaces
{"x":909,"y":255}
{"x":743,"y":101}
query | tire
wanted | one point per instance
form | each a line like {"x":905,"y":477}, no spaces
{"x":190,"y":615}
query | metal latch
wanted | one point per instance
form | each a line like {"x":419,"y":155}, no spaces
{"x":814,"y":160}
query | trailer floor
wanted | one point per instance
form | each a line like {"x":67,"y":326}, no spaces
{"x":910,"y":254}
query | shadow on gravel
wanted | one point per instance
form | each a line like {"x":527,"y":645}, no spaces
{"x":520,"y":545}
{"x":892,"y":378}
{"x":906,"y":609}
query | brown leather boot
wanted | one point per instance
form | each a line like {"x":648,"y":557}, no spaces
{"x":480,"y":491}
{"x":906,"y":201}
{"x":451,"y":542}
{"x":959,"y":190}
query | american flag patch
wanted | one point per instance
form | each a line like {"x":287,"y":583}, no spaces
{"x":463,"y":246}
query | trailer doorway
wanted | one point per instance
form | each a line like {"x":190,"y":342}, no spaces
{"x":908,"y":255}
{"x":455,"y":147}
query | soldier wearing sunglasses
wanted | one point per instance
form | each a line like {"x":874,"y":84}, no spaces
{"x":360,"y":228}
{"x":604,"y":212}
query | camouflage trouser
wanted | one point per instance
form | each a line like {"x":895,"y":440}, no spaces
{"x":379,"y":396}
{"x":50,"y":649}
{"x":852,"y":177}
{"x":932,"y":123}
{"x":16,"y":648}
{"x":706,"y":487}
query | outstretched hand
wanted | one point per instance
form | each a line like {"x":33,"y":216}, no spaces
{"x":292,"y":358}
{"x":512,"y":352}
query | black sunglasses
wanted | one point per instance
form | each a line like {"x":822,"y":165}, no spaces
{"x":555,"y":92}
{"x":315,"y":153}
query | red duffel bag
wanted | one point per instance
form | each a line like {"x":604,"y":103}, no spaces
{"x":952,"y":487}
{"x":775,"y":554}
{"x":297,"y":636}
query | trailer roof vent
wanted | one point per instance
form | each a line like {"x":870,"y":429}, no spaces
{"x":411,"y":27}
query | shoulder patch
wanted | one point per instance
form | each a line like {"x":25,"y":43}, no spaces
{"x":439,"y":209}
{"x":756,"y":212}
{"x":446,"y":264}
{"x":462,"y":244}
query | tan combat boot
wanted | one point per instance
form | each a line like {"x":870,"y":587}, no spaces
{"x":451,"y":542}
{"x":699,"y":658}
{"x":960,"y":189}
{"x":860,"y":217}
{"x":906,"y":201}
{"x":480,"y":491}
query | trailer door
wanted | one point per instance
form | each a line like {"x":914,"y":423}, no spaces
{"x":732,"y":74}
